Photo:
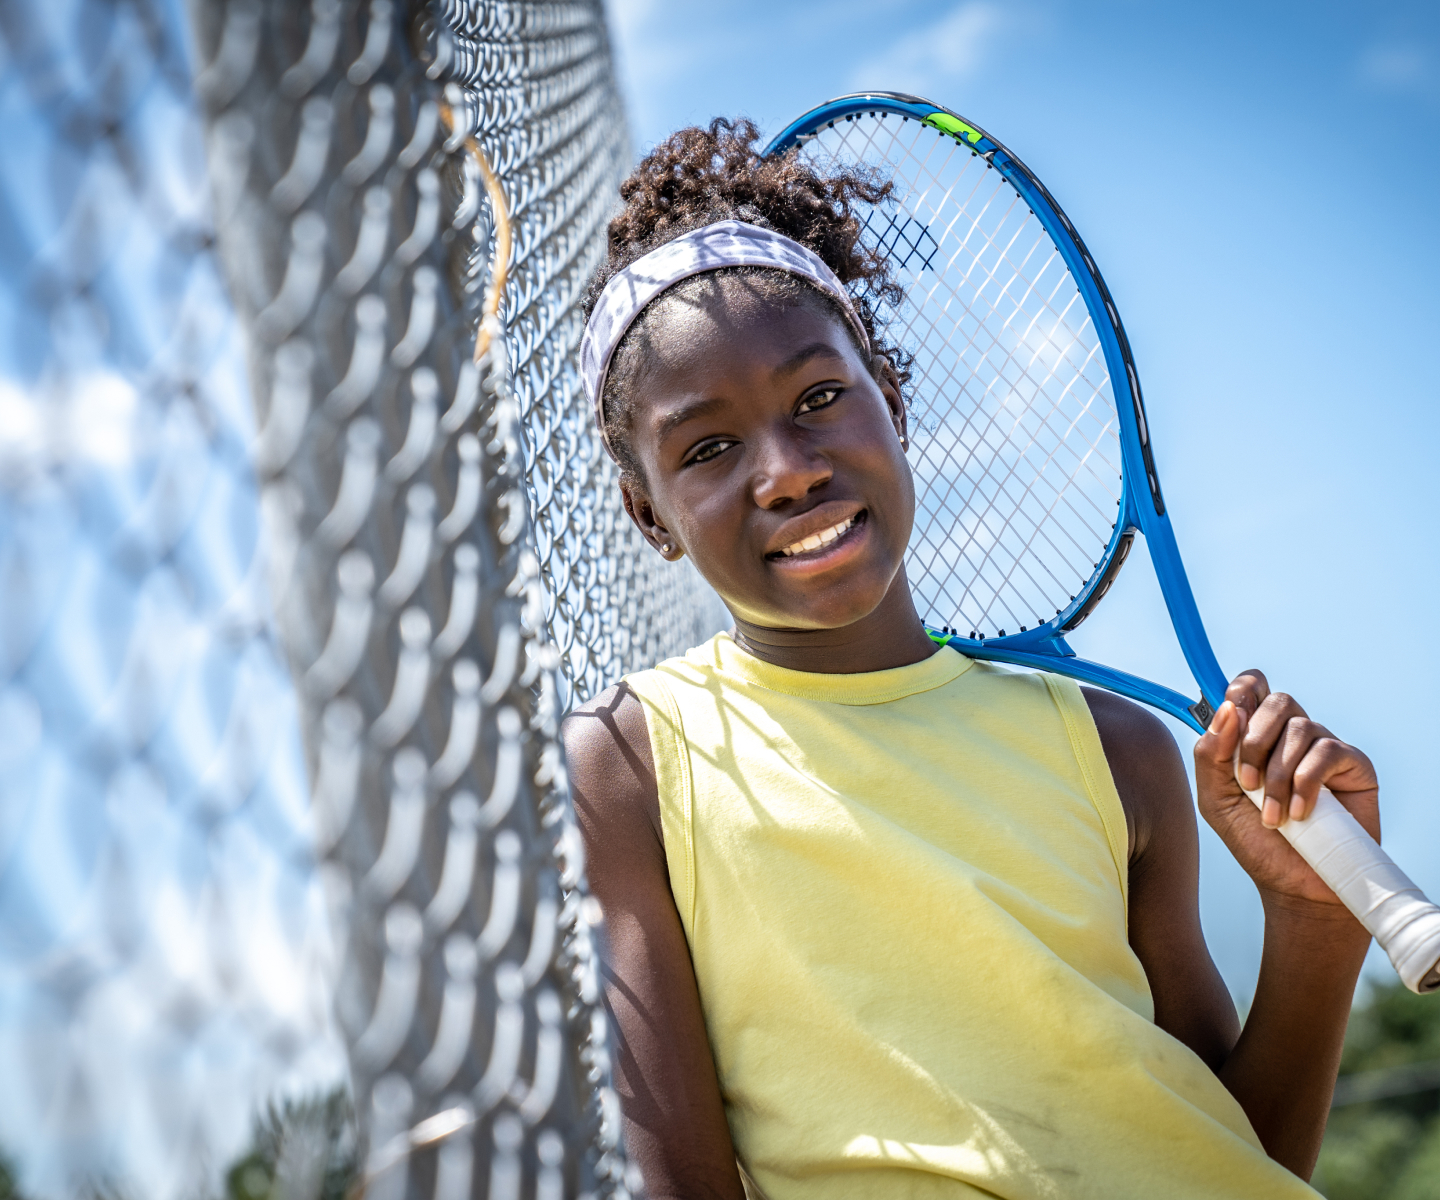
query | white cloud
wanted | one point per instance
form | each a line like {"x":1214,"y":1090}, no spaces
{"x":1394,"y":67}
{"x":92,"y":418}
{"x":648,"y":57}
{"x":628,"y":18}
{"x":950,"y":49}
{"x":22,"y":424}
{"x":100,"y":420}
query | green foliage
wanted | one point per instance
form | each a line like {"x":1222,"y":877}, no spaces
{"x":307,"y":1147}
{"x":1386,"y":1149}
{"x":299,"y":1148}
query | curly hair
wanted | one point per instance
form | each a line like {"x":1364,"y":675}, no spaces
{"x":696,"y":177}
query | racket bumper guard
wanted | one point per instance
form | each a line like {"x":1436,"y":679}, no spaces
{"x":1119,"y":551}
{"x":914,"y":107}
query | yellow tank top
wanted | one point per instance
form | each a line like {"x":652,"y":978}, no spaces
{"x":905,"y":897}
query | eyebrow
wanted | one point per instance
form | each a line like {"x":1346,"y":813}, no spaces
{"x":686,"y":412}
{"x":803,"y":356}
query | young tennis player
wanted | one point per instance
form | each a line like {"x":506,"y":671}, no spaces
{"x":883,"y":921}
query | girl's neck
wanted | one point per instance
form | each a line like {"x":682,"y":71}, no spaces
{"x":891,"y":636}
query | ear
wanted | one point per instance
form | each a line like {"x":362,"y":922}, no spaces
{"x":883,"y":371}
{"x":651,"y":527}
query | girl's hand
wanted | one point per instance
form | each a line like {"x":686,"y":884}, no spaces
{"x":1294,"y":757}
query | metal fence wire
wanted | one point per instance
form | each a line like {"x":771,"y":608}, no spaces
{"x":538,"y":78}
{"x":163,"y":948}
{"x":284,"y":808}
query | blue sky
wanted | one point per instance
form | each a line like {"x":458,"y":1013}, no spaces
{"x":1259,"y":185}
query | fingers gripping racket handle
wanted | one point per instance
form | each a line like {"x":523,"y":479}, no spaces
{"x":1371,"y":886}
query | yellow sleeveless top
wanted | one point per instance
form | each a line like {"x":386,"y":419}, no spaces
{"x":905,"y":897}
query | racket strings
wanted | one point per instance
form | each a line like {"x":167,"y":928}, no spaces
{"x":1044,"y":528}
{"x":1066,"y":443}
{"x":999,"y":188}
{"x":1047,"y":527}
{"x":1060,"y":315}
{"x":1017,"y":462}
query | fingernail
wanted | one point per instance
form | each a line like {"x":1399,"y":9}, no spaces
{"x":1250,"y":779}
{"x":1270,"y":815}
{"x":1222,"y":714}
{"x":1297,"y":807}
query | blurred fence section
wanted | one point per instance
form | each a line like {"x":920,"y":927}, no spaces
{"x":163,"y":948}
{"x":363,"y":248}
{"x":295,"y":584}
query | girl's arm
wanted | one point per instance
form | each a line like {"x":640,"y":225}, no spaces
{"x":1281,"y":1067}
{"x":675,"y":1126}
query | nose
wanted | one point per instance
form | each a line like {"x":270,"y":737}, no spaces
{"x":788,"y":467}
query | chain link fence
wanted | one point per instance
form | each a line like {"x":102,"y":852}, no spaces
{"x":539,"y":78}
{"x":296,"y":588}
{"x":163,"y":945}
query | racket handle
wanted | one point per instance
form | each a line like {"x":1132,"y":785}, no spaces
{"x":1367,"y":881}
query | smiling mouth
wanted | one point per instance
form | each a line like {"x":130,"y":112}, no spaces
{"x":817,"y":541}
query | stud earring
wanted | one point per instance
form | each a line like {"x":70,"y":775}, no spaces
{"x":666,"y":548}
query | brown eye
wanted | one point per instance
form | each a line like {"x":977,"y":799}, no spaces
{"x":820,"y":399}
{"x":709,"y":450}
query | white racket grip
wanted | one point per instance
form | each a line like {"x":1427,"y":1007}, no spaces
{"x":1371,"y":886}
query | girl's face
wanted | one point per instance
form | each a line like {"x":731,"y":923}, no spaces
{"x":773,"y":457}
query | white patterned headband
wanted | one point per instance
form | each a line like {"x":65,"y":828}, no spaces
{"x":724,"y":244}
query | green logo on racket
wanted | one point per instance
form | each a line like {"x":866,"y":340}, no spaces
{"x":954,"y":126}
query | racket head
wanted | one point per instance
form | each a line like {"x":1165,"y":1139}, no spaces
{"x":1029,"y":441}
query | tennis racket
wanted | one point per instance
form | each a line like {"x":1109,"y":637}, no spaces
{"x":1032,"y":457}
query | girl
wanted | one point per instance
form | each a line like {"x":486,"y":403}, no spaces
{"x":883,"y":921}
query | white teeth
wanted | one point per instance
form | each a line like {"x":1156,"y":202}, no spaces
{"x":816,"y":540}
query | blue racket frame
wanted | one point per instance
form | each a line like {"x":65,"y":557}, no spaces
{"x":1143,"y":507}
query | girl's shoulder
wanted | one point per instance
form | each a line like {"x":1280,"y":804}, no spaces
{"x":607,"y":738}
{"x":609,"y":762}
{"x":1147,"y":769}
